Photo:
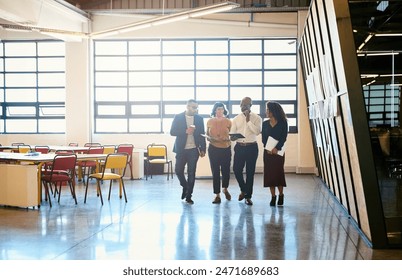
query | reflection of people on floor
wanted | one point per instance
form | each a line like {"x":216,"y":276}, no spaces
{"x":244,"y":236}
{"x":187,"y":247}
{"x":274,"y":236}
{"x":221,"y":236}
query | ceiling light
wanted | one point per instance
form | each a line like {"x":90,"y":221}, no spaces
{"x":388,"y":34}
{"x":376,"y":53}
{"x":365,"y":41}
{"x":164,"y":19}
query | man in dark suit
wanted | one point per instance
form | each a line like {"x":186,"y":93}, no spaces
{"x":189,"y":146}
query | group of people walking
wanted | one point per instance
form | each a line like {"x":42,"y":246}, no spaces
{"x":190,"y":144}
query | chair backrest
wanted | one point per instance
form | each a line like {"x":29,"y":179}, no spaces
{"x":65,"y":162}
{"x":24,"y":148}
{"x":17,"y":144}
{"x":116,"y":161}
{"x":73,"y":144}
{"x":92,"y":145}
{"x":157,"y":150}
{"x":109,"y":149}
{"x":95,"y":150}
{"x":42,"y":149}
{"x":125,"y":148}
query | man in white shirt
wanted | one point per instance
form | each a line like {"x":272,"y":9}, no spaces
{"x":248,"y":124}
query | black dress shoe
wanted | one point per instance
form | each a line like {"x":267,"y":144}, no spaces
{"x":184,"y":193}
{"x":189,"y":201}
{"x":241,"y":196}
{"x":249,"y":202}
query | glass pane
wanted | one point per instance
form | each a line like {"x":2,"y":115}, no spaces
{"x":52,"y":64}
{"x":20,"y":64}
{"x":14,"y":111}
{"x":280,"y":46}
{"x":178,"y":78}
{"x":1,"y":64}
{"x":212,"y":47}
{"x":21,"y":126}
{"x":20,"y":80}
{"x":238,"y":93}
{"x":212,"y":62}
{"x":144,"y":109}
{"x":1,"y":97}
{"x":111,"y":94}
{"x":288,"y":108}
{"x":51,"y":49}
{"x":245,"y":62}
{"x":110,"y":110}
{"x":111,"y":63}
{"x":280,"y":77}
{"x":145,"y":125}
{"x":167,"y":124}
{"x":178,"y":93}
{"x":178,"y":47}
{"x":178,"y":62}
{"x":245,"y":46}
{"x":145,"y":79}
{"x":212,"y":93}
{"x":21,"y":95}
{"x":236,"y":109}
{"x":280,"y":62}
{"x":145,"y":47}
{"x":51,"y":80}
{"x":111,"y":48}
{"x":212,"y":78}
{"x":246,"y":78}
{"x":20,"y":49}
{"x":174,"y":108}
{"x":145,"y":94}
{"x":50,"y":110}
{"x":111,"y":79}
{"x":52,"y":95}
{"x":52,"y":126}
{"x":111,"y":125}
{"x":280,"y":93}
{"x":145,"y":63}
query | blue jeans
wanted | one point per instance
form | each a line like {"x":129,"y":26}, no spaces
{"x":187,"y":157}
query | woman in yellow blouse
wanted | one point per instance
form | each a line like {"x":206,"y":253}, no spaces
{"x":219,"y":150}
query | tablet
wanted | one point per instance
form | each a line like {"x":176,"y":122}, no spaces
{"x":235,"y":136}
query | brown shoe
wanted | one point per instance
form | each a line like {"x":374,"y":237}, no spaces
{"x":249,"y":202}
{"x":227,"y":195}
{"x":217,"y":200}
{"x":241,"y":196}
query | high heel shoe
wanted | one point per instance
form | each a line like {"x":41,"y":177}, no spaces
{"x":273,"y":201}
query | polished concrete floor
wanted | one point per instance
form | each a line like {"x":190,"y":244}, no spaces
{"x":156,"y":225}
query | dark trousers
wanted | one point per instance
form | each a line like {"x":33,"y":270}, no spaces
{"x":245,"y":156}
{"x":187,"y":157}
{"x":219,"y":159}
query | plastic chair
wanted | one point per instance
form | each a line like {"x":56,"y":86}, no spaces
{"x":109,"y":149}
{"x":157,"y":154}
{"x":116,"y":162}
{"x":92,"y":145}
{"x":127,"y":148}
{"x":61,"y":171}
{"x":73,"y":144}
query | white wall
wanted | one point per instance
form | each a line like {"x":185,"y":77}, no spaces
{"x":299,"y":155}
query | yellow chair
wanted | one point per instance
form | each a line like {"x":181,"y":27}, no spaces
{"x":116,"y":162}
{"x":109,"y":149}
{"x":24,"y":149}
{"x":157,"y":154}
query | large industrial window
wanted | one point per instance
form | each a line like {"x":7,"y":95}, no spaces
{"x":139,"y":85}
{"x":382,"y":105}
{"x":32,"y":87}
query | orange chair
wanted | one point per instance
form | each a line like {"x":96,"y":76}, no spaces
{"x":116,"y":162}
{"x":62,"y":170}
{"x":127,"y":148}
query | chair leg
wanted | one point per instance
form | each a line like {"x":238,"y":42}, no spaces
{"x":124,"y":189}
{"x":86,"y":191}
{"x":110,"y":189}
{"x":99,"y":190}
{"x":72,"y":188}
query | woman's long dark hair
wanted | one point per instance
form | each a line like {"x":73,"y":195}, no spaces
{"x":277,"y":111}
{"x":217,"y":105}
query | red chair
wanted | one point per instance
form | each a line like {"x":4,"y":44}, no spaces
{"x":86,"y":166}
{"x":127,"y":148}
{"x":61,"y":171}
{"x":42,"y":149}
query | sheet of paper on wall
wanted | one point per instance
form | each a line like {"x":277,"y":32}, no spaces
{"x":271,"y":143}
